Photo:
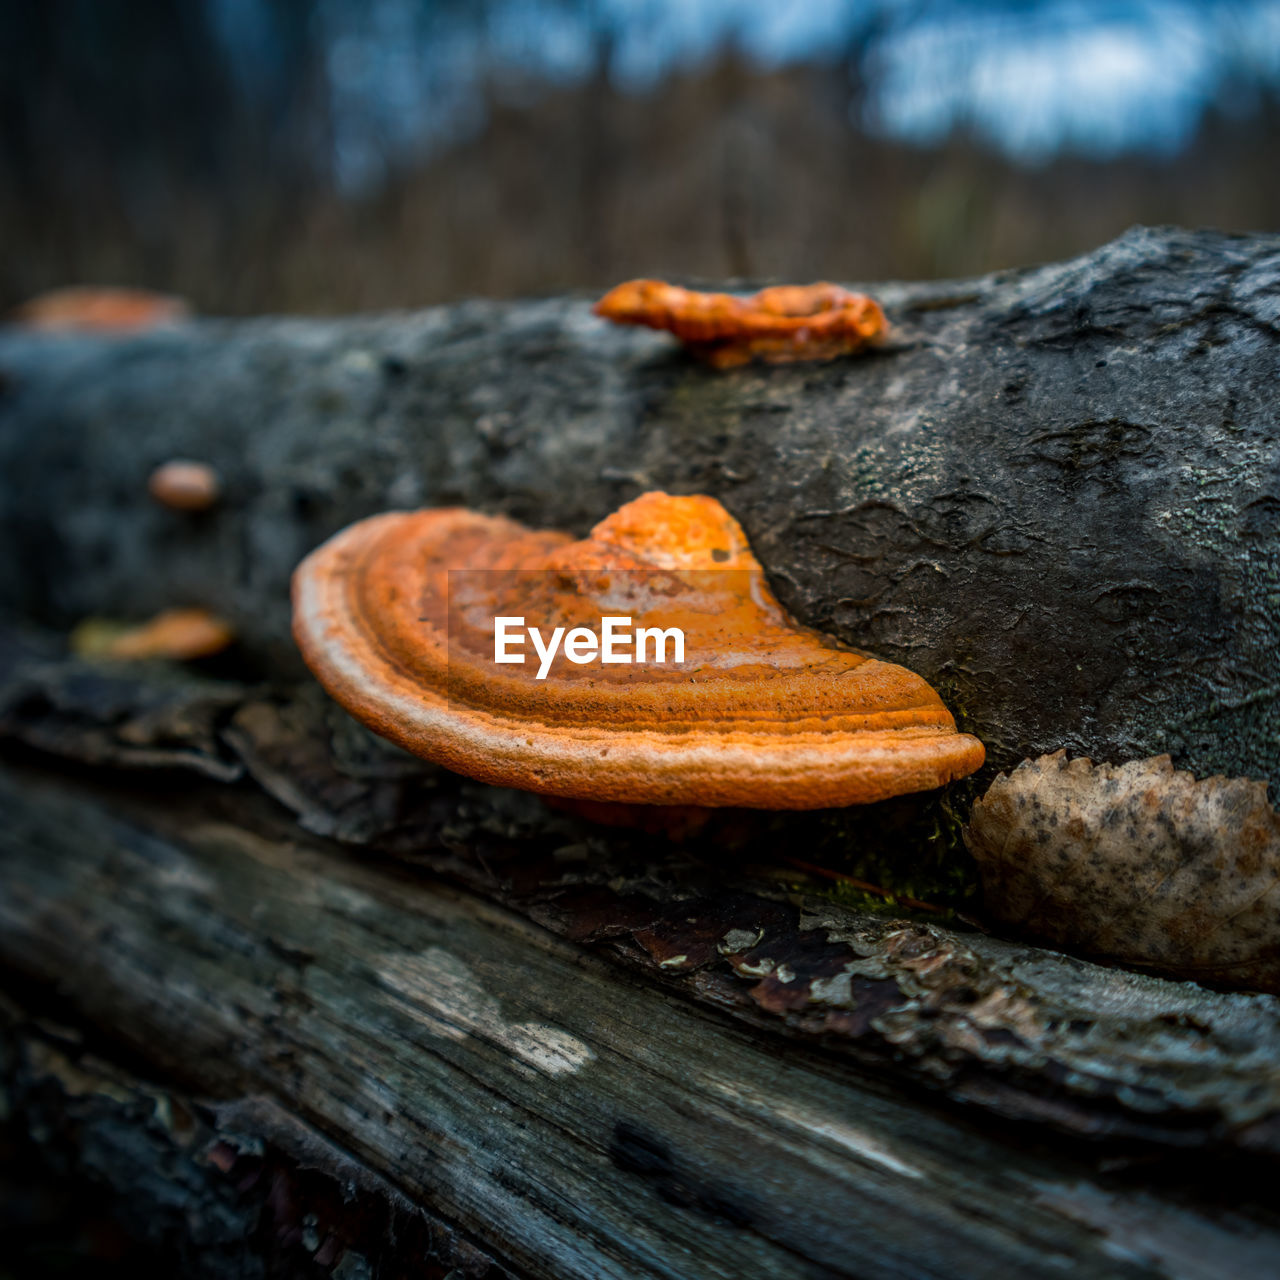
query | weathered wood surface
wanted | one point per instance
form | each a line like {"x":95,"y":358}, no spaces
{"x":1055,"y":493}
{"x":729,"y":920}
{"x":233,"y":1190}
{"x":322,"y":1012}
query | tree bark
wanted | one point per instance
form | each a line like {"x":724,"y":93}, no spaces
{"x":301,"y":1015}
{"x":537,"y":1046}
{"x":1054,"y":494}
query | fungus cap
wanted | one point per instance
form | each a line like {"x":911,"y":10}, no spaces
{"x":182,"y":485}
{"x":396,"y":616}
{"x":781,"y":324}
{"x":180,"y":634}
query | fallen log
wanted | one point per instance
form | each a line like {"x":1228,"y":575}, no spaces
{"x":1054,"y":493}
{"x":284,"y":1054}
{"x":730,"y":920}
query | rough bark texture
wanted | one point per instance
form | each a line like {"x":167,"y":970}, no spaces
{"x":731,"y":919}
{"x":1055,"y":493}
{"x":472,"y":1065}
{"x":503,"y":1038}
{"x":236,"y":1190}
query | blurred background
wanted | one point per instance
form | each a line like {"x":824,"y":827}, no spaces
{"x":330,"y":155}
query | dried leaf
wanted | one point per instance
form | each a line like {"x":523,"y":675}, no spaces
{"x":1137,"y":863}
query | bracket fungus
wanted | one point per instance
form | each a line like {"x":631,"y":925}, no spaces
{"x":778,"y":325}
{"x":100,"y":309}
{"x":179,"y":634}
{"x":1136,"y":863}
{"x":181,"y":485}
{"x":397,"y":616}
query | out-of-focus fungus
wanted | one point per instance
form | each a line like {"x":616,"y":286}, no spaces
{"x":184,"y":486}
{"x":761,"y":713}
{"x":89,"y":309}
{"x":777,"y":325}
{"x":1137,"y":863}
{"x":180,"y":634}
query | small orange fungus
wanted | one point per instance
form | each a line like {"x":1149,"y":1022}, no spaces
{"x":88,"y":309}
{"x":184,"y":486}
{"x":180,"y":634}
{"x":778,"y":325}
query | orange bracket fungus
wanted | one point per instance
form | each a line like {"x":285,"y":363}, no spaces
{"x":93,"y":309}
{"x":408,"y":619}
{"x":184,"y":486}
{"x":180,"y":634}
{"x":778,"y":325}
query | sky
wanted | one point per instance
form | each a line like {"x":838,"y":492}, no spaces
{"x":1100,"y":78}
{"x":1032,"y":76}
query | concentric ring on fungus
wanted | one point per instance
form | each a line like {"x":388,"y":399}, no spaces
{"x":762,"y":713}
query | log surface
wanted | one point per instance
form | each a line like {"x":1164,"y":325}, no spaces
{"x":1054,"y":493}
{"x":414,"y":1025}
{"x":731,"y":920}
{"x":432,"y":1051}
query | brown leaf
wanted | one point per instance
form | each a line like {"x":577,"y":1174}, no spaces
{"x":1136,"y":863}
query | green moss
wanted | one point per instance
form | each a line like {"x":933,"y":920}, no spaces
{"x":910,"y":847}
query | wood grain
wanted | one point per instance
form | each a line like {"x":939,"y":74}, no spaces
{"x":511,"y":1085}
